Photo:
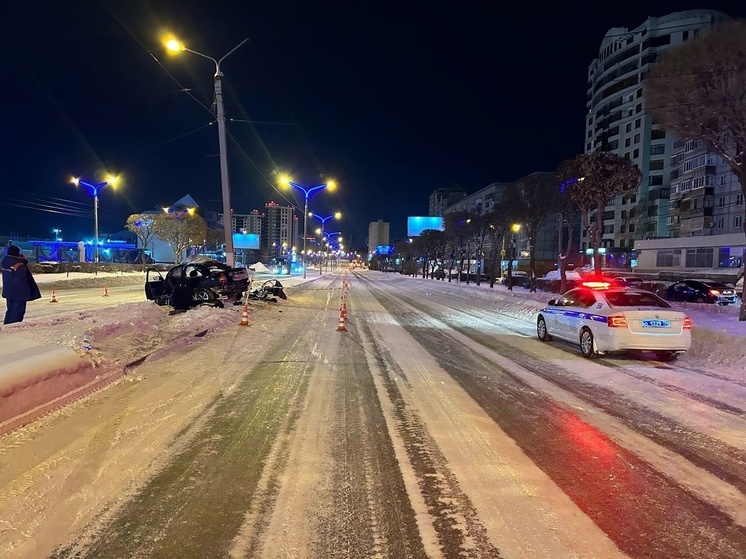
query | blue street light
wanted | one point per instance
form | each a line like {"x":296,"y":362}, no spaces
{"x":323,"y":221}
{"x":284,"y":180}
{"x":94,"y":188}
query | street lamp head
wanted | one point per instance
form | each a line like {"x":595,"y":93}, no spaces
{"x":318,"y":231}
{"x":515,"y":227}
{"x":174,"y":45}
{"x":284,"y":180}
{"x":331,"y":185}
{"x":75,"y":180}
{"x":338,"y":215}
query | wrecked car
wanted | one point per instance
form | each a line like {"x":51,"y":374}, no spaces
{"x":197,"y":281}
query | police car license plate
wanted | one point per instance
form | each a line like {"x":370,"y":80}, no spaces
{"x":656,"y":323}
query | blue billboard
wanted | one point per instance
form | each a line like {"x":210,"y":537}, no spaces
{"x":416,"y":225}
{"x":246,"y":240}
{"x":384,"y":249}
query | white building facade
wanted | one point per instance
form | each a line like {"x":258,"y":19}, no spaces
{"x":618,"y":122}
{"x":378,"y":235}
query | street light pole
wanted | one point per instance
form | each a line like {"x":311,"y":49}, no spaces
{"x":323,"y":221}
{"x":306,"y":194}
{"x":224,"y":178}
{"x":94,"y":188}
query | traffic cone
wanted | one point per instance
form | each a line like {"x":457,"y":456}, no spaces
{"x":341,"y":326}
{"x":244,"y":316}
{"x":53,"y":299}
{"x":106,"y":292}
{"x":343,"y":310}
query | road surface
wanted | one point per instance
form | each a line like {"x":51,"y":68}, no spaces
{"x":436,"y":426}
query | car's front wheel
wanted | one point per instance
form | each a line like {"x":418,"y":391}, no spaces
{"x":541,"y":330}
{"x":586,"y":344}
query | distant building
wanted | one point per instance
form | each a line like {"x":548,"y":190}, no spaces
{"x":444,"y":197}
{"x":279,"y":229}
{"x":378,"y":235}
{"x":481,"y":202}
{"x":248,"y":223}
{"x":486,"y":199}
{"x":681,"y":182}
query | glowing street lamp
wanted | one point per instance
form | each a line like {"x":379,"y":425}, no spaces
{"x":94,"y":188}
{"x":323,"y":221}
{"x":176,"y":46}
{"x":514,"y":228}
{"x":285,"y":181}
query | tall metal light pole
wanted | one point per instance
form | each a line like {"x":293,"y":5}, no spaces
{"x":323,"y":221}
{"x":307,"y":194}
{"x":175,"y":45}
{"x":94,"y":188}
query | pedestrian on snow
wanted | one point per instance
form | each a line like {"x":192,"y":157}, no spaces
{"x":19,"y":285}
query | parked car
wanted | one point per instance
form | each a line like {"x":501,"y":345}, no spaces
{"x":615,"y":319}
{"x":701,"y":291}
{"x":520,"y":279}
{"x":197,"y":281}
{"x":551,"y":281}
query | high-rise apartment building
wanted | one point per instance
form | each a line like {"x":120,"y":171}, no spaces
{"x":248,"y":223}
{"x":618,"y":122}
{"x":378,"y":235}
{"x":279,"y":228}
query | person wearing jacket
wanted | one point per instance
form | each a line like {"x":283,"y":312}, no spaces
{"x":19,"y":285}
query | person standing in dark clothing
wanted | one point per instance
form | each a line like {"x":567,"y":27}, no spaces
{"x":19,"y":285}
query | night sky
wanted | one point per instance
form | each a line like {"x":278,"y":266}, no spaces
{"x":392,"y":100}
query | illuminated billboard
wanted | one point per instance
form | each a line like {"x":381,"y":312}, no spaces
{"x":246,"y":240}
{"x":416,"y":225}
{"x":384,"y":249}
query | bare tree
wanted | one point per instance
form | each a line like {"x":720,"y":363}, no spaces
{"x":591,"y":180}
{"x":496,"y":221}
{"x":698,"y":91}
{"x":142,"y":225}
{"x":457,"y":235}
{"x":531,"y":199}
{"x":567,"y":216}
{"x":430,"y":244}
{"x":180,"y":230}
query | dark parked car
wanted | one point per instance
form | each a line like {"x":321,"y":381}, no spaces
{"x":701,"y":291}
{"x":520,"y":279}
{"x":197,"y":281}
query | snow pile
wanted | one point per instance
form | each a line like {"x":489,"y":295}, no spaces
{"x":259,"y":268}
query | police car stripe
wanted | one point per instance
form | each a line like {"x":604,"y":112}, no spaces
{"x":576,"y":314}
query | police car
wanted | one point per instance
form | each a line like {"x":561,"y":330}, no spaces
{"x":605,"y":319}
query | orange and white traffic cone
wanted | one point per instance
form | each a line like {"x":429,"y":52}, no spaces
{"x":244,"y":316}
{"x":343,"y":310}
{"x":341,"y":326}
{"x":53,"y":299}
{"x":106,"y":292}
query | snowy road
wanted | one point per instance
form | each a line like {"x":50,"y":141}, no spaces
{"x":436,"y":426}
